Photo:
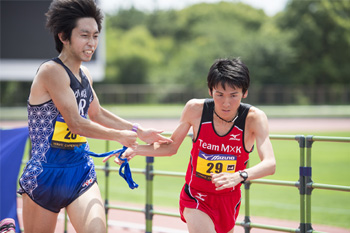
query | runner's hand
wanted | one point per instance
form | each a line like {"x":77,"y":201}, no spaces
{"x":128,"y":138}
{"x":225,"y":180}
{"x":116,"y":159}
{"x":129,"y":154}
{"x":151,"y":136}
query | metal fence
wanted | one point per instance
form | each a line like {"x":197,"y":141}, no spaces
{"x":304,"y":184}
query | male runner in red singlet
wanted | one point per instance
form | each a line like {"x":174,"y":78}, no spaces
{"x":224,"y":132}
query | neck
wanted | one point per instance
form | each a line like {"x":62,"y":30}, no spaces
{"x":233,"y":120}
{"x":73,"y":65}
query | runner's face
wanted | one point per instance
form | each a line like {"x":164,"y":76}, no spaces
{"x":227,"y":100}
{"x":84,"y":39}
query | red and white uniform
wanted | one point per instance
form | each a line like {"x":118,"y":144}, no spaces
{"x":212,"y":153}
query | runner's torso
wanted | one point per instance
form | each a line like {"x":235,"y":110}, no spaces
{"x":52,"y":142}
{"x":212,"y":153}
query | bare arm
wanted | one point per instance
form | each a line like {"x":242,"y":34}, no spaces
{"x":258,"y":126}
{"x":162,"y":149}
{"x":257,"y":130}
{"x":189,"y":118}
{"x":103,"y":117}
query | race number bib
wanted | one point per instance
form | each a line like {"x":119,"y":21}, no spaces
{"x":215,"y":163}
{"x":63,"y":138}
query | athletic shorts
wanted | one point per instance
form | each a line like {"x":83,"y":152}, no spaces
{"x":221,"y":208}
{"x":57,"y":186}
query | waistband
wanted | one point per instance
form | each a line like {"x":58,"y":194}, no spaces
{"x":55,"y":165}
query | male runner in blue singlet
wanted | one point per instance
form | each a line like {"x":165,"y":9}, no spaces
{"x":224,"y":132}
{"x":61,"y":98}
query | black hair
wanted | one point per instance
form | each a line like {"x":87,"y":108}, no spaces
{"x":229,"y":71}
{"x":62,"y":17}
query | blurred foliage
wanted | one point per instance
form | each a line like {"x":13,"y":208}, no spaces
{"x":321,"y":40}
{"x":14,"y":93}
{"x":307,"y":44}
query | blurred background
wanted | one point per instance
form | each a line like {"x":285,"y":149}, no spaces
{"x":153,"y":52}
{"x":154,"y":55}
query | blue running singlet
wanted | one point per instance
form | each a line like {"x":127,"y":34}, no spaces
{"x":56,"y":175}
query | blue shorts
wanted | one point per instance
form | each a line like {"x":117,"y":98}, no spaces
{"x":57,"y":185}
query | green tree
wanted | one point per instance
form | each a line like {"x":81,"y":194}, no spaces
{"x":179,"y":46}
{"x":211,"y":31}
{"x":130,"y":55}
{"x":126,"y":19}
{"x":321,"y":38}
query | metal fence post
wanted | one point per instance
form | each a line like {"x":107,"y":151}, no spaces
{"x":149,"y":194}
{"x":302,"y":184}
{"x":308,"y":182}
{"x":247,"y":222}
{"x":106,"y":169}
{"x":65,"y":221}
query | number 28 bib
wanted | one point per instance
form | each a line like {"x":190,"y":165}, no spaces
{"x":63,"y":138}
{"x":214,"y":163}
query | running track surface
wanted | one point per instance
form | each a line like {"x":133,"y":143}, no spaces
{"x":133,"y":222}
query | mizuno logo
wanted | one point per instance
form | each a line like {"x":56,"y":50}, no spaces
{"x":200,"y":196}
{"x":234,"y":137}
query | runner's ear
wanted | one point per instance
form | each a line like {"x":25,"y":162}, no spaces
{"x":210,"y":92}
{"x":62,"y":37}
{"x":245,"y":94}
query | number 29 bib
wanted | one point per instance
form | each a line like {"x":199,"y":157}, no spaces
{"x":214,"y":163}
{"x":63,"y":138}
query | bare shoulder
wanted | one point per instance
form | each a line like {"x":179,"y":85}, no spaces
{"x":256,"y":113}
{"x":194,"y":107}
{"x":191,"y":115}
{"x":50,"y":71}
{"x":192,"y":111}
{"x":195,"y":103}
{"x":50,"y":76}
{"x":256,"y":119}
{"x":50,"y":66}
{"x":53,"y":75}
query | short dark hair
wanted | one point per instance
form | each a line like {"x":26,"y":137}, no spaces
{"x":62,"y":17}
{"x":229,"y":71}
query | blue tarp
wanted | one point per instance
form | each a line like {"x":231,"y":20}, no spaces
{"x":12,"y":144}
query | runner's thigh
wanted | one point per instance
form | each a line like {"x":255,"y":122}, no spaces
{"x":87,"y":212}
{"x":198,"y":221}
{"x":33,"y":216}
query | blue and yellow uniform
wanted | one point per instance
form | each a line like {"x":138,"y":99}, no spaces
{"x":56,"y":175}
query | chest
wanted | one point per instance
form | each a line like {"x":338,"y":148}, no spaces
{"x":231,"y":143}
{"x":83,"y":95}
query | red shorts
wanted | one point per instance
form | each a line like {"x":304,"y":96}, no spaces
{"x":221,"y":208}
